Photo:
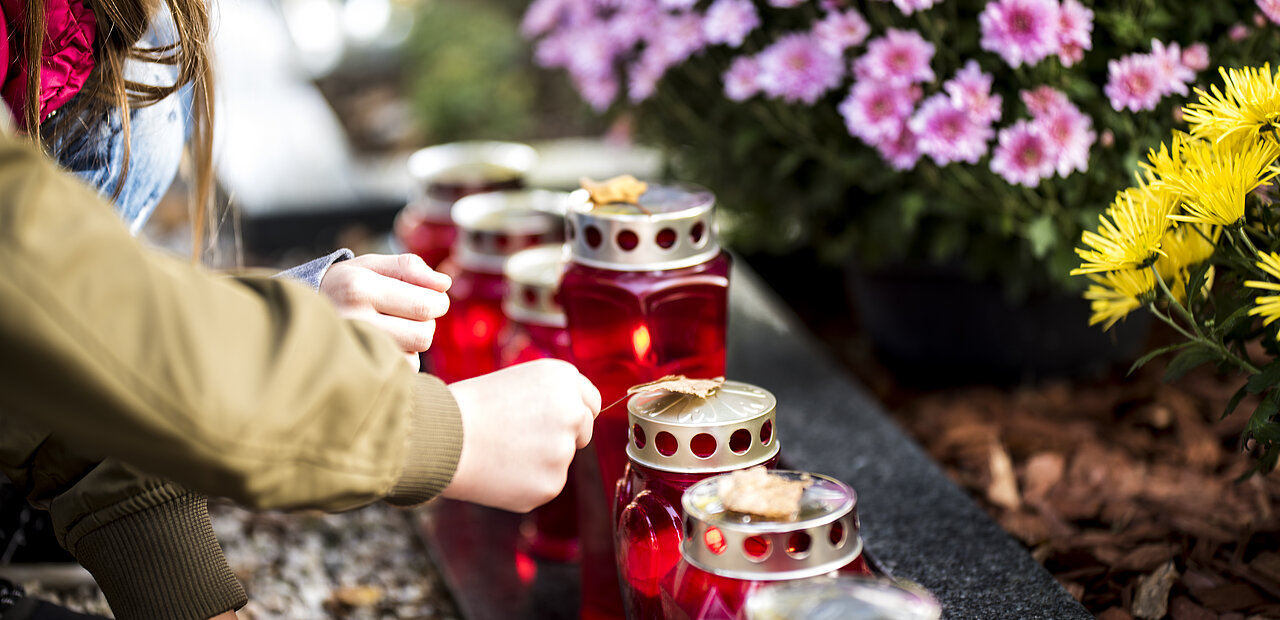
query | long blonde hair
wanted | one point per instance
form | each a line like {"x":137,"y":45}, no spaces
{"x":121,"y":26}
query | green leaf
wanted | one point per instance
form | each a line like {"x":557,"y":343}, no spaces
{"x":1234,"y":402}
{"x":1043,"y":234}
{"x":1142,"y":361}
{"x":1189,"y":359}
{"x":1269,"y":377}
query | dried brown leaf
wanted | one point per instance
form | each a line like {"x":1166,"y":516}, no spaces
{"x":1151,"y":601}
{"x":358,"y":596}
{"x":702,"y":388}
{"x":755,"y":491}
{"x":623,"y":189}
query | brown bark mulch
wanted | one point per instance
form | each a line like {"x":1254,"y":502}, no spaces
{"x":1128,"y":489}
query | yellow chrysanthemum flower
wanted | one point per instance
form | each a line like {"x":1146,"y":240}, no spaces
{"x":1130,"y":231}
{"x":1267,"y":306}
{"x":1114,"y":295}
{"x":1215,"y":178}
{"x":1249,"y":103}
{"x":1183,"y":248}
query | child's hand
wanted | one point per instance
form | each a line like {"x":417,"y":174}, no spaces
{"x":399,"y":294}
{"x":521,"y":426}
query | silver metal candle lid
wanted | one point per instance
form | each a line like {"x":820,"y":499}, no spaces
{"x":428,"y":164}
{"x":731,"y":429}
{"x":679,"y":230}
{"x":730,"y":544}
{"x":495,"y":225}
{"x":533,"y":275}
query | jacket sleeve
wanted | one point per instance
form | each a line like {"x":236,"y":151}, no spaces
{"x":250,"y":388}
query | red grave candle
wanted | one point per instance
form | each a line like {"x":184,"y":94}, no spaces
{"x":726,"y":556}
{"x":645,"y":295}
{"x":536,"y":330}
{"x":677,"y":440}
{"x":444,"y":173}
{"x":491,"y":228}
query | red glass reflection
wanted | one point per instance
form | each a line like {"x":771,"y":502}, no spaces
{"x":466,"y":343}
{"x":425,"y":236}
{"x":627,"y":328}
{"x":648,"y":533}
{"x":426,"y":229}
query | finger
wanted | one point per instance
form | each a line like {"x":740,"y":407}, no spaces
{"x":585,"y":428}
{"x":415,"y":361}
{"x":590,"y":395}
{"x":410,"y":336}
{"x":408,"y":301}
{"x":407,"y":268}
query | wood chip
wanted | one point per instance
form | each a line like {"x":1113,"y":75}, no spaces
{"x":1152,"y":598}
{"x":1267,"y":564}
{"x":1115,"y":613}
{"x":702,"y":388}
{"x":757,"y":492}
{"x":1231,"y":597}
{"x":1043,"y":472}
{"x":1146,"y":558}
{"x":1183,"y":608}
{"x":1003,"y":488}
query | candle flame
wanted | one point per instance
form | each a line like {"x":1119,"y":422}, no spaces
{"x":641,"y":341}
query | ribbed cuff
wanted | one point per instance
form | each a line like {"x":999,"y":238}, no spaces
{"x":433,"y":446}
{"x":163,"y":562}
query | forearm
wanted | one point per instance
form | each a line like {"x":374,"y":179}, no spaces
{"x":251,"y":388}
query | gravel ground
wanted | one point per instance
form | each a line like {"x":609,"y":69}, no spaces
{"x":358,"y":565}
{"x":365,"y":564}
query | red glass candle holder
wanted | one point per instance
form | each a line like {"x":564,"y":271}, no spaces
{"x":536,"y":330}
{"x":727,"y":556}
{"x":677,"y":440}
{"x":443,"y":174}
{"x":645,"y":295}
{"x":843,"y":597}
{"x":491,"y":228}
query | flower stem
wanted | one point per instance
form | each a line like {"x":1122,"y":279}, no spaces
{"x":1199,"y":337}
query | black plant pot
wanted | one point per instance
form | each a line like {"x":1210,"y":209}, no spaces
{"x":932,"y":325}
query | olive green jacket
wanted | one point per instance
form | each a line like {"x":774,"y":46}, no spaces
{"x":125,"y":373}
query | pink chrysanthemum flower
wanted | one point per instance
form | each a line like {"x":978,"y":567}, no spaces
{"x":632,"y":21}
{"x":644,"y":74}
{"x":841,"y":30}
{"x":742,"y":80}
{"x":677,"y":5}
{"x":970,"y":89}
{"x":598,"y":91}
{"x":1075,"y":32}
{"x":911,"y":6}
{"x":1043,"y":100}
{"x":1270,"y":8}
{"x":1022,"y":156}
{"x":1069,"y":133}
{"x":1238,"y":32}
{"x":900,"y":56}
{"x":785,"y":4}
{"x":592,"y":50}
{"x":796,"y":68}
{"x":1020,"y":31}
{"x":876,"y":112}
{"x":541,"y":17}
{"x":675,"y":37}
{"x":1133,"y":83}
{"x":1174,"y":76}
{"x":730,"y":21}
{"x":1196,"y":57}
{"x":949,"y":133}
{"x":902,"y":151}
